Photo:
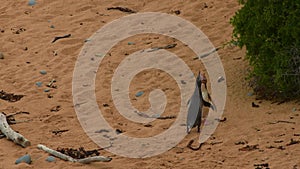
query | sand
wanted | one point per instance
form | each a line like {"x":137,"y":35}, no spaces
{"x":27,"y":32}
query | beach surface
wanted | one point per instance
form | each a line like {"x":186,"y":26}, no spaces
{"x":249,"y":137}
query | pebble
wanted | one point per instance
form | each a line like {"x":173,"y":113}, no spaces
{"x":43,"y":72}
{"x":220,"y":79}
{"x":52,"y":26}
{"x":294,"y":109}
{"x":1,"y":56}
{"x":50,"y":159}
{"x":87,"y":40}
{"x":47,"y":90}
{"x":250,"y":94}
{"x":31,"y":2}
{"x":26,"y":159}
{"x":131,"y":43}
{"x":99,"y":55}
{"x":39,"y":84}
{"x":140,"y":93}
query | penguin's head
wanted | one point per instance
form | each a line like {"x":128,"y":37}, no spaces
{"x":201,"y":79}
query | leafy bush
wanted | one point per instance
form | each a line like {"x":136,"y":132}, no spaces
{"x":270,"y":31}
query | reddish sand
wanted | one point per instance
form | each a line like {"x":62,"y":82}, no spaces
{"x":30,"y":51}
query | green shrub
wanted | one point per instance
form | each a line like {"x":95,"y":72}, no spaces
{"x":270,"y":31}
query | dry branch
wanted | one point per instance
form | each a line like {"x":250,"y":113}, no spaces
{"x":68,"y":158}
{"x":11,"y":134}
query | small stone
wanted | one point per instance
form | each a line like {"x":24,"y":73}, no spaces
{"x":131,"y":43}
{"x":43,"y":72}
{"x":47,"y":90}
{"x":87,"y":40}
{"x":294,"y":109}
{"x":250,"y":94}
{"x":140,"y":93}
{"x":31,"y":2}
{"x":1,"y":56}
{"x":220,"y":79}
{"x":52,"y":26}
{"x":177,"y":12}
{"x":39,"y":84}
{"x":99,"y":55}
{"x":50,"y":159}
{"x":118,"y":131}
{"x":26,"y":159}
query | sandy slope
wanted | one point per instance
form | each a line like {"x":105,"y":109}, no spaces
{"x":31,"y":50}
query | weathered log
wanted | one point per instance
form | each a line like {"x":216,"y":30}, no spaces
{"x":68,"y":158}
{"x":11,"y":134}
{"x":56,"y":153}
{"x":94,"y":159}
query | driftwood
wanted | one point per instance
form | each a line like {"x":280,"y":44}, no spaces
{"x":11,"y":134}
{"x":68,"y":158}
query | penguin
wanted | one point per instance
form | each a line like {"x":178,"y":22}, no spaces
{"x":199,"y":99}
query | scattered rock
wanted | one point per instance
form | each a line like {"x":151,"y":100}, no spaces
{"x":177,"y":12}
{"x":250,"y":94}
{"x":43,"y":72}
{"x":138,"y":94}
{"x":26,"y":159}
{"x":118,"y":131}
{"x":47,"y":90}
{"x":31,"y":2}
{"x":39,"y":84}
{"x":55,"y":108}
{"x":50,"y":159}
{"x":220,"y":79}
{"x":131,"y":43}
{"x":255,"y":105}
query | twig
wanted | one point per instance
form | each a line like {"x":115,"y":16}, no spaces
{"x":68,"y":158}
{"x":58,"y":131}
{"x":20,"y":112}
{"x":61,"y":37}
{"x":170,"y":46}
{"x":11,"y":134}
{"x":160,"y":117}
{"x":122,"y":9}
{"x":166,"y":117}
{"x":293,"y":142}
{"x":282,"y":121}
